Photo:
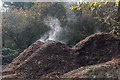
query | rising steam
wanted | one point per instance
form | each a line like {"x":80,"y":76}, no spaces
{"x":54,"y":24}
{"x":55,"y":29}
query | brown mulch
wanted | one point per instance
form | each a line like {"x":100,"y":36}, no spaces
{"x":97,"y":48}
{"x":53,"y":58}
{"x":107,"y":70}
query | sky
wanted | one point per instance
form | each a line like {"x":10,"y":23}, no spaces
{"x":0,"y":3}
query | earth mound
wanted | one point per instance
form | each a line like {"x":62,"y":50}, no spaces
{"x":97,"y":48}
{"x":25,"y":54}
{"x":110,"y":69}
{"x":53,"y":59}
{"x":50,"y":56}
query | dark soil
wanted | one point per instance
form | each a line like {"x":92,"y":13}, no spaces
{"x":97,"y":48}
{"x":107,"y":70}
{"x":52,"y":58}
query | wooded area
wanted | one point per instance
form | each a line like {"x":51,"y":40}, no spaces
{"x":51,"y":39}
{"x":23,"y":23}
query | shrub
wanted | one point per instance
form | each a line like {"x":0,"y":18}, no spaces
{"x":8,"y":55}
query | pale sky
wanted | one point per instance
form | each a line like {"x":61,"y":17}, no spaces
{"x":0,"y":3}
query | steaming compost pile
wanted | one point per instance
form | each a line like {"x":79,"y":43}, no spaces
{"x":110,"y":69}
{"x":97,"y":48}
{"x":53,"y":59}
{"x":51,"y":56}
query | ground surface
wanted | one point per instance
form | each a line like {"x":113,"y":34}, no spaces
{"x":95,"y":56}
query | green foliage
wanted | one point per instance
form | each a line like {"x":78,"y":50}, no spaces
{"x":8,"y":55}
{"x":107,"y":13}
{"x":116,"y":30}
{"x":22,"y":27}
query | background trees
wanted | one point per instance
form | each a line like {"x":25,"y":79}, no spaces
{"x":23,"y":23}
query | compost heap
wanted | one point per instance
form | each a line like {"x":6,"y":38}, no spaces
{"x":107,"y":70}
{"x":51,"y":59}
